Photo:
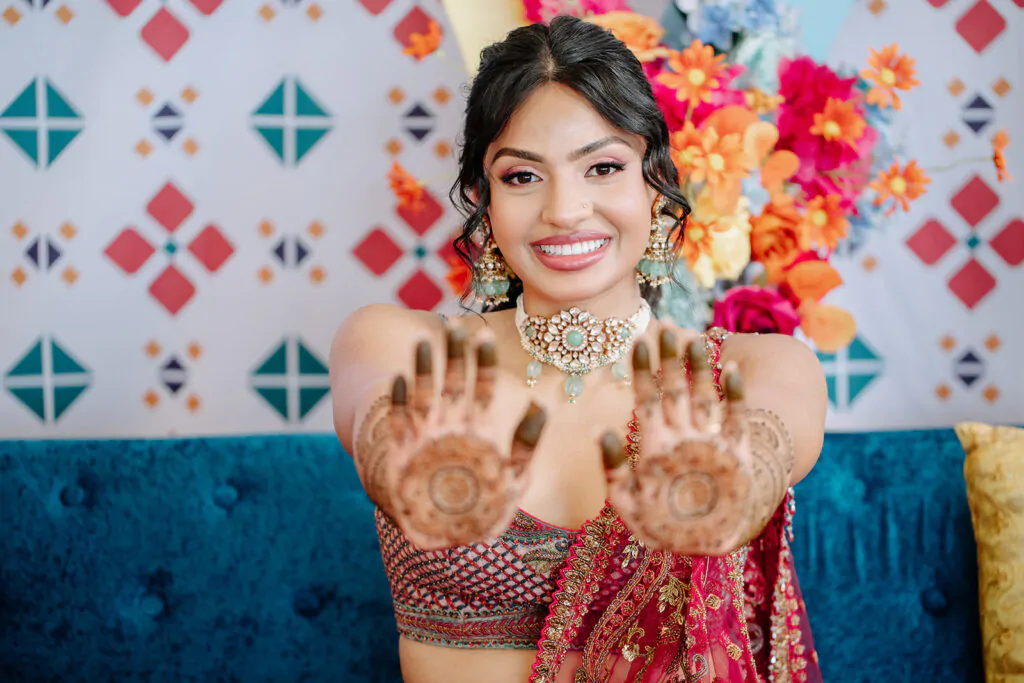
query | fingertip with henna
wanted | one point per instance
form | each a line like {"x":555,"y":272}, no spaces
{"x":641,"y":357}
{"x":530,"y":427}
{"x":613,"y":451}
{"x":424,"y":359}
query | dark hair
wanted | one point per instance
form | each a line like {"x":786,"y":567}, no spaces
{"x":591,"y":61}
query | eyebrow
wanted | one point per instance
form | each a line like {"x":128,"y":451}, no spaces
{"x":574,"y":155}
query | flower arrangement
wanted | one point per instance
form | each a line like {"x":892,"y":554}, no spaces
{"x":782,"y":159}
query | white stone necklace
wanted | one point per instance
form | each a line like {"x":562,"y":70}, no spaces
{"x":577,"y":343}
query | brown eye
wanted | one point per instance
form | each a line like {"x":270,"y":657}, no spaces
{"x":606,"y":168}
{"x":520,"y":178}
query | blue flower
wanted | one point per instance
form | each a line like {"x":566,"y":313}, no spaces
{"x":713,"y":25}
{"x":758,"y":16}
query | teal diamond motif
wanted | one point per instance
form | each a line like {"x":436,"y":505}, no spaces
{"x":291,"y":379}
{"x":291,"y":121}
{"x":850,"y":371}
{"x":973,"y":241}
{"x":41,"y":122}
{"x":171,"y":248}
{"x":47,"y":380}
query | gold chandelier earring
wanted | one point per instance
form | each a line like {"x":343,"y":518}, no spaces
{"x":656,"y":265}
{"x":491,"y":274}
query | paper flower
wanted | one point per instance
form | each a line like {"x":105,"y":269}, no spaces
{"x":642,"y":35}
{"x":900,"y":185}
{"x":694,"y":73}
{"x":889,"y":71}
{"x":839,"y":122}
{"x":406,"y":188}
{"x":458,"y":276}
{"x":777,"y":236}
{"x":755,"y":309}
{"x":423,"y":45}
{"x":1000,"y":142}
{"x":825,"y":221}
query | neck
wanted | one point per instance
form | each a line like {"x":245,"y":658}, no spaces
{"x":620,"y":302}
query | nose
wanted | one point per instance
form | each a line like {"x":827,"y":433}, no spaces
{"x":566,"y":206}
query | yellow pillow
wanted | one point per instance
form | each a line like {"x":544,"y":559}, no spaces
{"x":994,"y":470}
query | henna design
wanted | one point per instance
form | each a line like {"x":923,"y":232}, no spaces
{"x":772,"y":460}
{"x":373,"y":444}
{"x":456,"y":487}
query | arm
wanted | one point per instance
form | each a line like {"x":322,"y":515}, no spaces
{"x":373,"y":346}
{"x":785,"y":396}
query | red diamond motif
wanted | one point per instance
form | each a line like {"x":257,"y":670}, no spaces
{"x":375,"y":7}
{"x":165,"y":34}
{"x":972,"y":284}
{"x":169,"y":207}
{"x":1019,"y":3}
{"x":378,"y":252}
{"x":129,"y":251}
{"x":980,"y":25}
{"x":931,"y":242}
{"x":124,"y":7}
{"x":447,"y":251}
{"x":1009,"y":243}
{"x":420,"y":292}
{"x":207,"y":7}
{"x":415,"y":22}
{"x":937,"y":3}
{"x":974,"y":201}
{"x":172,"y":289}
{"x":211,"y":248}
{"x":423,"y":217}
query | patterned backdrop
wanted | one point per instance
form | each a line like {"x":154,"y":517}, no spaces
{"x":195,"y":194}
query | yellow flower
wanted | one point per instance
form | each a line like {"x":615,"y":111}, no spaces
{"x":695,"y":73}
{"x":840,"y":121}
{"x":889,"y":71}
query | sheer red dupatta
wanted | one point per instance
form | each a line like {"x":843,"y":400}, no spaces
{"x":623,"y":612}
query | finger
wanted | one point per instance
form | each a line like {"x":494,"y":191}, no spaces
{"x":673,"y":382}
{"x":705,"y":410}
{"x":401,"y":423}
{"x":455,"y":372}
{"x":648,"y":406}
{"x":527,"y":434}
{"x":613,"y":451}
{"x":486,"y":375}
{"x":734,"y":426}
{"x":423,"y":390}
{"x":621,"y":479}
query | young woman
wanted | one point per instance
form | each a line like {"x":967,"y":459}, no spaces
{"x":528,"y":532}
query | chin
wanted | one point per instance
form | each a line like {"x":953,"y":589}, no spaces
{"x":580,"y":286}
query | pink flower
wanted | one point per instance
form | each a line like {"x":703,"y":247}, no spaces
{"x":755,"y":309}
{"x":546,"y":10}
{"x":675,"y":111}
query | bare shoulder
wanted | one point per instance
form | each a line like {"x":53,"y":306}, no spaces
{"x":378,"y":330}
{"x":776,"y":353}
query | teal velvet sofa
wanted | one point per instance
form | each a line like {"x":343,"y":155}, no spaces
{"x":254,"y":559}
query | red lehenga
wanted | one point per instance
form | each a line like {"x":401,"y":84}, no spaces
{"x":607,"y":608}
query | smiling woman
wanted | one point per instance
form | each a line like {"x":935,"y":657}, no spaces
{"x":654,"y":560}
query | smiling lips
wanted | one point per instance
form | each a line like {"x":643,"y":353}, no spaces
{"x":571,"y":252}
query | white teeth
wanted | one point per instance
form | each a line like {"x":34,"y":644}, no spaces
{"x":573,"y":249}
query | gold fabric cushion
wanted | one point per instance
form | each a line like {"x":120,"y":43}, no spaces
{"x":994,"y":470}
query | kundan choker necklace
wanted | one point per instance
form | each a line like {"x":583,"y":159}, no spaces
{"x":577,"y":343}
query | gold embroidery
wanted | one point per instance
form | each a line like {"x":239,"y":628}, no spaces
{"x":672,"y":594}
{"x":734,"y":651}
{"x":631,"y":551}
{"x":632,"y":650}
{"x":713,"y":601}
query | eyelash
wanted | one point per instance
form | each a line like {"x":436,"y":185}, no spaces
{"x":519,"y":175}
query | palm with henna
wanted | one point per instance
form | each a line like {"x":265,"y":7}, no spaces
{"x":437,"y":456}
{"x":710,"y":472}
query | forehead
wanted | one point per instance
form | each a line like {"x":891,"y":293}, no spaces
{"x":556,"y":119}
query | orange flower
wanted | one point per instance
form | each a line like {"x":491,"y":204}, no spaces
{"x":1000,"y":142}
{"x":840,"y":121}
{"x":641,"y":34}
{"x":889,"y":71}
{"x":696,"y":73}
{"x":459,"y":276}
{"x":900,"y":186}
{"x":406,"y":188}
{"x":696,"y":242}
{"x":777,"y":236}
{"x":829,"y":327}
{"x":825,"y":221}
{"x":812,"y":279}
{"x":687,"y":144}
{"x":722,"y":164}
{"x":422,"y":45}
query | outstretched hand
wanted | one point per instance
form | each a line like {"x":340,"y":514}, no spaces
{"x":453,"y":482}
{"x":689,"y":492}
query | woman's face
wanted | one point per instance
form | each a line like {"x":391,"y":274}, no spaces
{"x":570,"y":209}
